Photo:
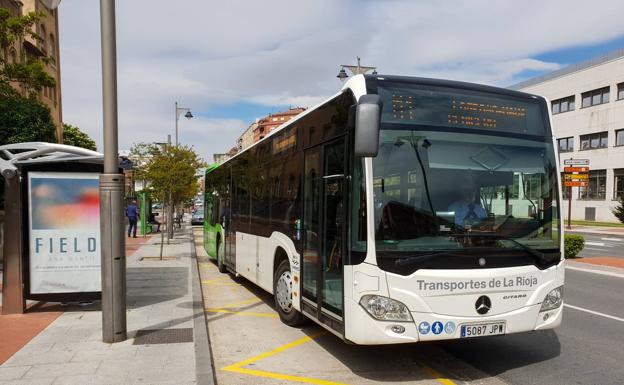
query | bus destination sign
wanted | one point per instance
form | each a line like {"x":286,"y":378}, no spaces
{"x":463,"y":109}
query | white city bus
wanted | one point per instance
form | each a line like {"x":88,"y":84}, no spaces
{"x":400,"y":210}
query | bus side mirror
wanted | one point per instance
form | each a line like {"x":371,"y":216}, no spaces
{"x":367,"y":124}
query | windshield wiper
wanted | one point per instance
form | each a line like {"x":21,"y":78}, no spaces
{"x":535,"y":253}
{"x":423,"y":257}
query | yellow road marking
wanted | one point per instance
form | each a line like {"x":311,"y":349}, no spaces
{"x":437,"y":376}
{"x":280,"y":376}
{"x":238,"y":367}
{"x":214,"y":282}
{"x":271,"y":315}
{"x":239,"y":303}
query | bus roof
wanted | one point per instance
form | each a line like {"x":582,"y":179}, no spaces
{"x":211,"y":168}
{"x":359,"y":85}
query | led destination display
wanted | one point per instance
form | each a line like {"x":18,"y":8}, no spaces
{"x":460,"y":109}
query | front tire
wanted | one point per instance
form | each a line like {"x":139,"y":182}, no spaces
{"x":282,"y":293}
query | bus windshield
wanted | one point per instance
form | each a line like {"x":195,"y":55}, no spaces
{"x":463,"y":170}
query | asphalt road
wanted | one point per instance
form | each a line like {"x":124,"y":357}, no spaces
{"x":597,"y":245}
{"x":586,"y":349}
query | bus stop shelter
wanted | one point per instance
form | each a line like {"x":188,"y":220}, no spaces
{"x":49,"y":160}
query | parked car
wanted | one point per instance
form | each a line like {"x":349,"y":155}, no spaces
{"x":198,"y":217}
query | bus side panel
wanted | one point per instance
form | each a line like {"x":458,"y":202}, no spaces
{"x":210,"y":235}
{"x":247,"y":255}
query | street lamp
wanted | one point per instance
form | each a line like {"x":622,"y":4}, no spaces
{"x":355,"y":70}
{"x":178,"y":112}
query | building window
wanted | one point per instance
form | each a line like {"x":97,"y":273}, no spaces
{"x":12,"y":56}
{"x":563,"y":105}
{"x":618,"y":182}
{"x":594,"y":141}
{"x":595,"y":97}
{"x":596,"y":186}
{"x":620,"y":94}
{"x":52,"y":48}
{"x":619,"y":137}
{"x":566,"y":144}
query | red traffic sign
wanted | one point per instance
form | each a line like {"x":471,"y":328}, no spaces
{"x":576,"y":169}
{"x":574,"y":183}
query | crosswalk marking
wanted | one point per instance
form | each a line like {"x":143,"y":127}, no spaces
{"x":612,"y":239}
{"x":595,"y":243}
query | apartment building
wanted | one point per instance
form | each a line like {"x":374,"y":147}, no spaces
{"x":48,"y":45}
{"x":587,"y":104}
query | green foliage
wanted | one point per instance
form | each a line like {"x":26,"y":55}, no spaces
{"x":169,"y":170}
{"x":618,"y":210}
{"x":24,"y":119}
{"x":28,"y":71}
{"x":573,"y":245}
{"x":74,"y":137}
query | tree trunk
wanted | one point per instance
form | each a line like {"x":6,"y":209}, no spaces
{"x":170,"y":223}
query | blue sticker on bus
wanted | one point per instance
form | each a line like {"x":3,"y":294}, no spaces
{"x":423,"y":328}
{"x":437,"y":327}
{"x":449,"y":327}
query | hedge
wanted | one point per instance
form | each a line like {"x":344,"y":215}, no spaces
{"x":573,"y":244}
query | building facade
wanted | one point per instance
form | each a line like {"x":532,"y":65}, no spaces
{"x":587,"y":104}
{"x":47,"y":46}
{"x":247,"y":138}
{"x":272,"y":121}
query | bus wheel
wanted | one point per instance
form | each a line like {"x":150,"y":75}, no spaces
{"x":282,"y":289}
{"x":220,"y":264}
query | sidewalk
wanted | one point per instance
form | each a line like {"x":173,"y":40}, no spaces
{"x":167,"y":336}
{"x":595,"y":230}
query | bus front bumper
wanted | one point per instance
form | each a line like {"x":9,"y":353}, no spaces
{"x":363,"y":329}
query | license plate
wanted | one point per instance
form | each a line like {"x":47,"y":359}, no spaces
{"x":480,"y":330}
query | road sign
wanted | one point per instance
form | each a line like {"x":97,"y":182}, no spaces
{"x":574,"y":183}
{"x":580,"y":162}
{"x":575,"y":176}
{"x":576,"y":169}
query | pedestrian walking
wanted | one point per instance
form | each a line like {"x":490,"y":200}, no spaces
{"x":132,"y":212}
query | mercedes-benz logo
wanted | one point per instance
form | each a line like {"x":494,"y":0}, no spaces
{"x":483,"y":304}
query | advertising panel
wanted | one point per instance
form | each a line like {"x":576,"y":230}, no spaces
{"x":64,"y":229}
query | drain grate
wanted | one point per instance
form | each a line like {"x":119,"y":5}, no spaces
{"x":163,"y":336}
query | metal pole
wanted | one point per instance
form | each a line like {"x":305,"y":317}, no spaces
{"x":570,"y":209}
{"x":111,"y":192}
{"x":13,"y":301}
{"x":176,"y":120}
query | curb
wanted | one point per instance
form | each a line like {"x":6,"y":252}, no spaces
{"x":204,"y":364}
{"x":594,"y":232}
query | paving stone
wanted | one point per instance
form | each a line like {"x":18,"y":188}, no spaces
{"x":36,"y":358}
{"x":64,"y":369}
{"x":12,"y":373}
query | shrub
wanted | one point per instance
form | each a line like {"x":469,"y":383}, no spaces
{"x":618,"y":211}
{"x":573,"y":244}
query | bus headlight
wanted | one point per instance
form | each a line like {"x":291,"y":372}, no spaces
{"x":553,"y":300}
{"x":385,"y":309}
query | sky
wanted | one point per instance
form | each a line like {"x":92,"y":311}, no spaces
{"x":234,"y":61}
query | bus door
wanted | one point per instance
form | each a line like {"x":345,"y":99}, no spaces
{"x":324,"y":232}
{"x":226,"y":217}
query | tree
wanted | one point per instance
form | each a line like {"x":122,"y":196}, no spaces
{"x":74,"y":137}
{"x":618,"y":210}
{"x":24,"y":119}
{"x":27,"y":70}
{"x":170,"y":172}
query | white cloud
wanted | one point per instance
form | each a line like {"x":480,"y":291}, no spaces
{"x":277,"y":52}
